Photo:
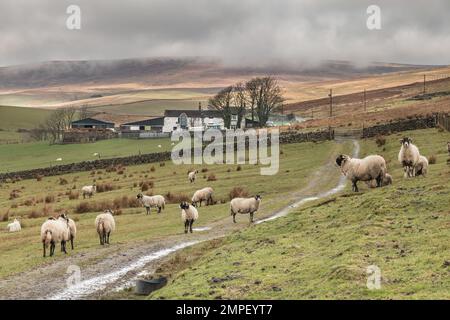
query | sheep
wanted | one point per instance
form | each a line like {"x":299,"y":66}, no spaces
{"x":64,"y":222}
{"x":72,"y":228}
{"x":105,"y":224}
{"x":408,"y":156}
{"x":189,"y":214}
{"x":14,"y":226}
{"x":152,"y":201}
{"x":53,"y":231}
{"x":367,"y":169}
{"x":192,"y":175}
{"x":245,"y":205}
{"x":88,"y":190}
{"x":204,"y":194}
{"x":422,"y":166}
{"x":387,"y":180}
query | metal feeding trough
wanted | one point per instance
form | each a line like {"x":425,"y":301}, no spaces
{"x":145,"y":287}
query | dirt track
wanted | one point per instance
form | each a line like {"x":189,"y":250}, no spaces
{"x":116,"y":266}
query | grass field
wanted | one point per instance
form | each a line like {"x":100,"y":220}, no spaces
{"x":22,"y":251}
{"x":322,"y":250}
{"x":15,"y":157}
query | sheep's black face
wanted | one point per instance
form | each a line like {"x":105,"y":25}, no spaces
{"x":340,"y":160}
{"x":139,"y":196}
{"x":184,"y":205}
{"x":258,"y":197}
{"x":406,"y":142}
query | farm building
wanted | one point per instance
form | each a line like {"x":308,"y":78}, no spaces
{"x":90,"y":123}
{"x":149,"y":125}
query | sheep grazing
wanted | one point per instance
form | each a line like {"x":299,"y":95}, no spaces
{"x":189,"y":214}
{"x":387,"y":180}
{"x":54,"y":231}
{"x":244,"y":206}
{"x":88,"y":191}
{"x":157,"y":201}
{"x":201,"y":195}
{"x":105,"y":224}
{"x":192,"y":175}
{"x":408,"y":157}
{"x":370,"y":168}
{"x":14,"y":226}
{"x":422,"y":166}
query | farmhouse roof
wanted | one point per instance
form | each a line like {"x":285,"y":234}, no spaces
{"x":194,"y":113}
{"x":91,"y":121}
{"x":147,"y":122}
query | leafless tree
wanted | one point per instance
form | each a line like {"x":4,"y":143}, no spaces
{"x":222,"y":102}
{"x":240,"y":101}
{"x":59,"y":121}
{"x":84,"y":113}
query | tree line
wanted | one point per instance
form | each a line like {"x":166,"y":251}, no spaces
{"x":259,"y":96}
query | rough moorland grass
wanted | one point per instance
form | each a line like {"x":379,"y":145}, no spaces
{"x":323,"y":250}
{"x":22,"y":251}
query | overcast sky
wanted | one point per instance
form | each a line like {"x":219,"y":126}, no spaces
{"x":254,"y":32}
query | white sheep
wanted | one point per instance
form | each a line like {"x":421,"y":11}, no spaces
{"x":189,"y":214}
{"x":72,"y":228}
{"x":370,"y":168}
{"x":387,"y":180}
{"x":105,"y":224}
{"x":408,"y":157}
{"x":52,"y":232}
{"x":422,"y":166}
{"x":89,"y":191}
{"x":14,"y":226}
{"x":157,"y":201}
{"x":244,"y":206}
{"x":205,"y":194}
{"x":192,"y":176}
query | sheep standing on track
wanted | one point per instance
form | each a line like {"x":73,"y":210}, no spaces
{"x":408,"y":157}
{"x":64,"y":221}
{"x":192,"y":176}
{"x":189,"y":214}
{"x":370,"y":168}
{"x":422,"y":166}
{"x":14,"y":226}
{"x":387,"y":180}
{"x":88,"y":191}
{"x":157,"y":201}
{"x":105,"y":224}
{"x":244,"y":206}
{"x":205,"y":194}
{"x":52,"y":232}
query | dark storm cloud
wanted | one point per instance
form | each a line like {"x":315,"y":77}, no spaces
{"x":256,"y":32}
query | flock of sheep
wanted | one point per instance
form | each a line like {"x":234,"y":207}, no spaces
{"x":63,"y":229}
{"x":372,"y":169}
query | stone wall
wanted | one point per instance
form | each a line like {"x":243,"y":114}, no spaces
{"x":399,"y":126}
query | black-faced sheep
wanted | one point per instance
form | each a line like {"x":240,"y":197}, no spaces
{"x":88,"y":191}
{"x":189,"y":214}
{"x":52,"y":232}
{"x":422,"y":166}
{"x":192,"y":176}
{"x":157,"y":201}
{"x":408,"y":156}
{"x":244,"y":206}
{"x":72,"y":228}
{"x":370,"y":168}
{"x":205,"y":194}
{"x":105,"y":224}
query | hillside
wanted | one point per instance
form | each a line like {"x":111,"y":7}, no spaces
{"x":322,"y":251}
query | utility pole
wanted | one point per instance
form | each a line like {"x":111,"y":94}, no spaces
{"x":331,"y":102}
{"x":424,"y":83}
{"x":365,"y":103}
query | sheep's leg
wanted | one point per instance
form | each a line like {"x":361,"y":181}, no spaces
{"x":251,"y":217}
{"x":186,"y":223}
{"x":159,"y":209}
{"x":52,"y":249}
{"x":71,"y":241}
{"x":107,"y":241}
{"x":234,"y":217}
{"x":43,"y":247}
{"x":355,"y":187}
{"x":100,"y":236}
{"x":190,"y":225}
{"x":379,"y":181}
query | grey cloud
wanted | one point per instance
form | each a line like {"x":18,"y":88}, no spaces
{"x":258,"y":32}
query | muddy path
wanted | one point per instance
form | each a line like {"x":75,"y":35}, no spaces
{"x":117,"y":266}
